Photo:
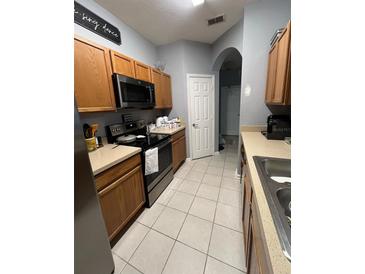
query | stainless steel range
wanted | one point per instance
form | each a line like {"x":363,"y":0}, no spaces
{"x":155,"y":183}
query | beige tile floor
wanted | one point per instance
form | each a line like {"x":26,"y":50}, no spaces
{"x":194,"y":227}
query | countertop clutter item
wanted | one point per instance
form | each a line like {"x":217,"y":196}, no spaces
{"x":157,"y":182}
{"x":91,"y":144}
{"x":278,"y":127}
{"x":89,"y":134}
{"x":159,"y":121}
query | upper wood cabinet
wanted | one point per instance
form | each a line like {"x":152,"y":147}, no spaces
{"x":162,"y":82}
{"x":92,"y":77}
{"x":156,"y":80}
{"x":94,"y":66}
{"x":166,"y":90}
{"x":143,"y":72}
{"x":278,"y":76}
{"x":271,"y":72}
{"x":122,"y":64}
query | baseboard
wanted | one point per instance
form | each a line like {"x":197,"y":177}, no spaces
{"x":188,"y":159}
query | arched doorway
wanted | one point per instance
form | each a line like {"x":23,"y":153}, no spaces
{"x":228,"y":71}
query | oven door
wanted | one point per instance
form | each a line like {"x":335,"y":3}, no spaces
{"x":164,"y":164}
{"x":133,"y":93}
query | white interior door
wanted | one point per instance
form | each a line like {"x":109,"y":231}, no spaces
{"x":201,"y":114}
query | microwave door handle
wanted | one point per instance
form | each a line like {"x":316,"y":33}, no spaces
{"x":151,"y":95}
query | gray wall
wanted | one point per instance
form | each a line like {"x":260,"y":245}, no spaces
{"x":231,"y":40}
{"x":181,"y":58}
{"x":133,"y":45}
{"x":261,"y":19}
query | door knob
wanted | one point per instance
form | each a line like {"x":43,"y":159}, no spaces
{"x":195,"y":125}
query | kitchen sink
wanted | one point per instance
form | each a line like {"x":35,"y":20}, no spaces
{"x":275,"y":176}
{"x":275,"y":167}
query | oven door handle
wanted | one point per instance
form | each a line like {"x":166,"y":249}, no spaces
{"x":165,"y":143}
{"x":160,"y":146}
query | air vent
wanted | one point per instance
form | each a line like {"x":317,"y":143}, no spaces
{"x":216,"y":20}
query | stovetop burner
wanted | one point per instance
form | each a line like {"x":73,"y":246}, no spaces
{"x":124,"y":132}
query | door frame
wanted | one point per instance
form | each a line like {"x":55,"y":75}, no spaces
{"x":211,"y":76}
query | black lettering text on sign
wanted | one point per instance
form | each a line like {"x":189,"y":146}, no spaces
{"x":91,"y":21}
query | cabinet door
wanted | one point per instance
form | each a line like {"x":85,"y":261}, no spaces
{"x":246,"y":212}
{"x":271,"y":73}
{"x":166,"y":90}
{"x":282,"y":68}
{"x":156,"y":80}
{"x":253,"y":266}
{"x":143,"y":72}
{"x":178,"y":152}
{"x":122,"y":64}
{"x":92,"y":77}
{"x":121,"y":200}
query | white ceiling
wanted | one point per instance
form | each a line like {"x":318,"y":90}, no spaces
{"x":166,"y":21}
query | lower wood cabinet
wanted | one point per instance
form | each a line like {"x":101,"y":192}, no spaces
{"x":122,"y":194}
{"x":178,"y":149}
{"x":257,"y":259}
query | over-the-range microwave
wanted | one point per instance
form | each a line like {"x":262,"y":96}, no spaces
{"x":133,"y":93}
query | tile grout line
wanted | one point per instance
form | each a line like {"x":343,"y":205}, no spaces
{"x":187,"y":213}
{"x":211,"y":233}
{"x":168,"y":257}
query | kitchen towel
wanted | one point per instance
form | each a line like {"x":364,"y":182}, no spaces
{"x":151,"y":161}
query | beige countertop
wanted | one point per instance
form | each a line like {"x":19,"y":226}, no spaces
{"x":169,"y":131}
{"x":257,"y":145}
{"x":108,"y":156}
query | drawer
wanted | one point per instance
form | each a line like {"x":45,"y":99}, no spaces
{"x":178,"y":135}
{"x":110,"y":175}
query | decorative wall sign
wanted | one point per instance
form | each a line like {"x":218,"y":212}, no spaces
{"x":91,"y":21}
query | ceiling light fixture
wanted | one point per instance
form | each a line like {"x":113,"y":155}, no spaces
{"x":197,"y":2}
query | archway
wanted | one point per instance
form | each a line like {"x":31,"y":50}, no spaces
{"x":228,"y":70}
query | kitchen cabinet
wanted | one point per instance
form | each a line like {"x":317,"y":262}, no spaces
{"x":92,"y":77}
{"x":122,"y":64}
{"x":247,"y":199}
{"x":143,"y":72}
{"x":162,"y":82}
{"x":121,"y":194}
{"x":156,"y":80}
{"x":178,"y":149}
{"x":94,"y":66}
{"x":166,"y":92}
{"x":257,"y":259}
{"x":278,"y":84}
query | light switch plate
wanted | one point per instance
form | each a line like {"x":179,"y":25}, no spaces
{"x":247,"y":90}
